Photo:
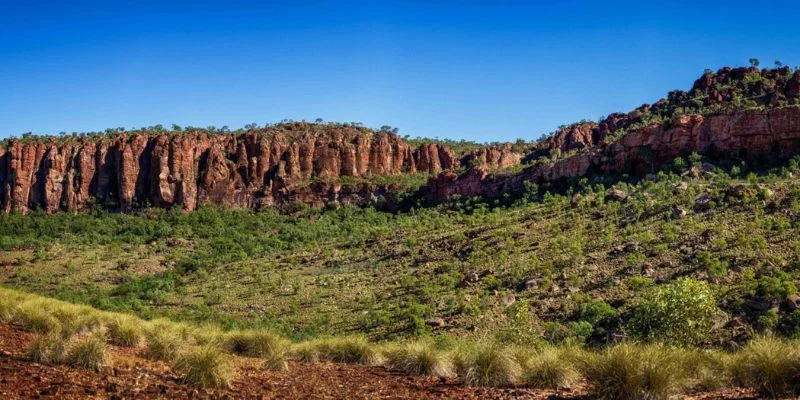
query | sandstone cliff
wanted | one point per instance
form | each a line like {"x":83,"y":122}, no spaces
{"x":254,"y":169}
{"x":753,"y":134}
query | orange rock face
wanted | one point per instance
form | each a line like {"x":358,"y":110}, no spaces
{"x":748,"y":135}
{"x":495,"y":156}
{"x":189,"y":169}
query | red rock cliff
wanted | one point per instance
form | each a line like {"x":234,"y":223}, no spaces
{"x":747,"y":135}
{"x":188,"y":169}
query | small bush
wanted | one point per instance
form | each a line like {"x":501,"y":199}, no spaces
{"x":419,"y":358}
{"x":681,"y":312}
{"x":548,"y":368}
{"x":47,"y":349}
{"x":488,"y":365}
{"x":88,"y":352}
{"x":205,"y":367}
{"x":769,"y":365}
{"x":125,"y":331}
{"x":632,"y":372}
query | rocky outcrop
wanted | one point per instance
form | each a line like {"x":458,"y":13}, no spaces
{"x":751,"y":135}
{"x":497,"y":156}
{"x":298,"y":162}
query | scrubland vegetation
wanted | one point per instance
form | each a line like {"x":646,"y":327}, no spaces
{"x":711,"y":248}
{"x":203,"y":356}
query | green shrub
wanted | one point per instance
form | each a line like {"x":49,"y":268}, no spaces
{"x":633,"y":372}
{"x":419,"y":358}
{"x":681,"y":312}
{"x":205,"y":367}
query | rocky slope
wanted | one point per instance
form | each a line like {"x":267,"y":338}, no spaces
{"x":738,"y":113}
{"x":750,"y":135}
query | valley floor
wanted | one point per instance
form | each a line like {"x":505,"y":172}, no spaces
{"x":133,"y":376}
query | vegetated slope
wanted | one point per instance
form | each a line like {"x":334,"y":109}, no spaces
{"x":548,"y":266}
{"x":528,"y":262}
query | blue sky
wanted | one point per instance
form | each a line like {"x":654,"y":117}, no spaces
{"x":486,"y":71}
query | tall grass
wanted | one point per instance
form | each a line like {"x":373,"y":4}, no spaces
{"x":268,"y":345}
{"x":633,"y":372}
{"x":34,"y":316}
{"x":88,"y":351}
{"x":47,"y":349}
{"x":78,"y":334}
{"x":351,"y":350}
{"x":419,"y":358}
{"x":162,"y":344}
{"x":488,"y":365}
{"x":205,"y":367}
{"x":549,"y":367}
{"x":125,"y":331}
{"x":769,"y":365}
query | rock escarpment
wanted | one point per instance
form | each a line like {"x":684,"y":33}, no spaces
{"x":188,"y":169}
{"x":751,"y":135}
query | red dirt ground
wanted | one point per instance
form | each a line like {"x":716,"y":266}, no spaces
{"x":132,"y":376}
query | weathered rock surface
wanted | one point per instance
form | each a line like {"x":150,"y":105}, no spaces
{"x":494,"y":156}
{"x":185,"y":170}
{"x":748,"y":135}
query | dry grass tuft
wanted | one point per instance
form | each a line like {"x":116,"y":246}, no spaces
{"x":88,"y":352}
{"x":47,"y":349}
{"x":488,"y":365}
{"x":350,"y":350}
{"x":419,"y":358}
{"x":633,"y":372}
{"x":268,"y":345}
{"x":548,"y":368}
{"x":205,"y":367}
{"x":125,"y":331}
{"x":162,"y":344}
{"x":769,"y":365}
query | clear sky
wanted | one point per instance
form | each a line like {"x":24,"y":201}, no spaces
{"x":486,"y":71}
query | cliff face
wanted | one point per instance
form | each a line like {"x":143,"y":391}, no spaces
{"x":189,"y":169}
{"x":747,"y":135}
